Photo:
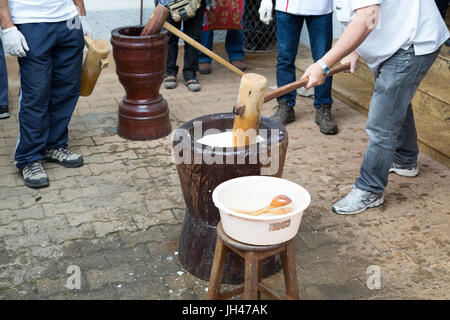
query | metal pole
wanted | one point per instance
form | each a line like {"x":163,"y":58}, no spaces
{"x":142,"y":12}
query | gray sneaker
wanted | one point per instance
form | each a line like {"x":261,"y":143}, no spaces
{"x":284,"y":114}
{"x":193,"y":85}
{"x":64,"y":157}
{"x":170,"y":82}
{"x":405,"y":171}
{"x":357,"y":201}
{"x":35,"y":176}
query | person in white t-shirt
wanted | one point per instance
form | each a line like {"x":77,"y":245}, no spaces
{"x":290,"y":18}
{"x":47,"y":36}
{"x":399,"y":40}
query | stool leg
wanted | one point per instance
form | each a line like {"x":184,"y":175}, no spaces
{"x":216,"y":277}
{"x":259,"y":278}
{"x":251,"y":276}
{"x":290,"y":273}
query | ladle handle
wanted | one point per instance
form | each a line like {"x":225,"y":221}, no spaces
{"x":281,"y":91}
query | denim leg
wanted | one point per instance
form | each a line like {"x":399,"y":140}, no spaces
{"x":289,"y":28}
{"x":234,"y":44}
{"x":407,"y":149}
{"x":395,"y":85}
{"x":208,"y":42}
{"x":320,"y":29}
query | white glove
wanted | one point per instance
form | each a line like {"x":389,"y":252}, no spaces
{"x":265,"y":11}
{"x":14,"y":42}
{"x":86,"y":27}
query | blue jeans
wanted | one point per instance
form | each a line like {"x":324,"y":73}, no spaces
{"x":3,"y":78}
{"x":390,"y":126}
{"x":289,"y":28}
{"x":234,"y":43}
{"x":50,"y":81}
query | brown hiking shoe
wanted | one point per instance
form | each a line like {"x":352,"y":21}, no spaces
{"x":239,"y":64}
{"x":284,"y":114}
{"x":325,"y":120}
{"x":204,"y":68}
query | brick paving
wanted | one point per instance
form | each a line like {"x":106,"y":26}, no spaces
{"x":119,"y":216}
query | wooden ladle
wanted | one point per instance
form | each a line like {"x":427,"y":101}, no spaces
{"x":277,"y":202}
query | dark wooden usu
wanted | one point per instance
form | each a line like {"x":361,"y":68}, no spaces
{"x":198,"y":236}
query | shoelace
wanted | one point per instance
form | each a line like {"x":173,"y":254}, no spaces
{"x":327,"y":113}
{"x":36,"y":168}
{"x":63,"y":151}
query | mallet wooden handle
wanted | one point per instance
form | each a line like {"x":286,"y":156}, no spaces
{"x":203,"y":49}
{"x":158,"y":20}
{"x":281,"y":91}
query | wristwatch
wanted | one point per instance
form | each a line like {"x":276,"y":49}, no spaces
{"x":325,"y":69}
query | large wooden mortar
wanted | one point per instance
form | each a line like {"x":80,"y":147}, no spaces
{"x":198,"y":180}
{"x":140,"y":66}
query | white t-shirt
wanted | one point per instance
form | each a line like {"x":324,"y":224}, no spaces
{"x":34,"y":11}
{"x":402,"y":23}
{"x":305,"y":7}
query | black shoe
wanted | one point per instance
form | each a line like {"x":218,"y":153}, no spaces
{"x":325,"y":120}
{"x":239,"y":64}
{"x":204,"y":68}
{"x":35,"y":176}
{"x":64,"y":157}
{"x":284,"y":114}
{"x":4,"y":112}
{"x":193,"y":85}
{"x":170,"y":82}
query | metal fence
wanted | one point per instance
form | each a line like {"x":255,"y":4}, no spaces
{"x":258,"y":37}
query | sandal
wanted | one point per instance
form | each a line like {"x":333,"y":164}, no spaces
{"x":170,"y":82}
{"x":193,"y":85}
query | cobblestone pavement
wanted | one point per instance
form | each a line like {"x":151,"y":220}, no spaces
{"x":119,"y":216}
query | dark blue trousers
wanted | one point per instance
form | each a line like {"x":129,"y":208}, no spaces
{"x":289,"y":28}
{"x":50,"y":78}
{"x":3,"y":78}
{"x":234,"y":43}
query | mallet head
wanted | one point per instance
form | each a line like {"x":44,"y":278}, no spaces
{"x":157,"y":20}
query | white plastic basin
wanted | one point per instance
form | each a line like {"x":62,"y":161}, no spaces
{"x":253,"y":193}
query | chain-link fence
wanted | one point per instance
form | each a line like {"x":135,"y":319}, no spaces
{"x":258,"y":37}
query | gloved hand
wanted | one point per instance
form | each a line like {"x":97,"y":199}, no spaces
{"x":86,"y":27}
{"x":14,"y":42}
{"x":265,"y":11}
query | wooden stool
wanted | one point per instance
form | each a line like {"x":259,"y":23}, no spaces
{"x":253,"y":256}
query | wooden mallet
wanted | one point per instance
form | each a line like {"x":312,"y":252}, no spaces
{"x":251,"y":98}
{"x":158,"y":21}
{"x":96,"y":60}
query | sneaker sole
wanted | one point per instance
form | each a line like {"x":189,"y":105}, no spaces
{"x":375,"y":204}
{"x":4,"y":116}
{"x":67,"y":165}
{"x":170,"y":86}
{"x":37,"y":185}
{"x":410,"y":173}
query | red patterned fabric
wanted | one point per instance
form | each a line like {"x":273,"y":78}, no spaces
{"x":227,"y":15}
